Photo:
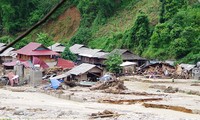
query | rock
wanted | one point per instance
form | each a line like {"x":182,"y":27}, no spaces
{"x":2,"y":108}
{"x":171,"y":90}
{"x":59,"y":92}
{"x":61,"y":114}
{"x":18,"y":112}
{"x":162,"y":87}
{"x":158,"y":91}
{"x":65,"y":87}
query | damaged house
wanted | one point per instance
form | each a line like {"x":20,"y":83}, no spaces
{"x":196,"y":72}
{"x":159,"y":69}
{"x":82,"y":72}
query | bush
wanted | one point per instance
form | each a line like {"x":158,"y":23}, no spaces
{"x":113,"y":63}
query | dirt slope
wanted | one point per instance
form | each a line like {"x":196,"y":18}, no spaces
{"x":65,"y":26}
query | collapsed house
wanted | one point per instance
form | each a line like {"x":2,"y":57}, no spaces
{"x":158,"y":69}
{"x":196,"y":72}
{"x":184,"y":70}
{"x":82,"y":72}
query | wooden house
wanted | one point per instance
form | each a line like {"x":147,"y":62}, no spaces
{"x":128,"y":68}
{"x":84,"y":71}
{"x":127,"y":56}
{"x":36,"y":50}
{"x":88,"y":55}
{"x":8,"y":55}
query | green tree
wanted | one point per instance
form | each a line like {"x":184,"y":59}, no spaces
{"x":23,"y":43}
{"x":177,"y":38}
{"x":44,"y":39}
{"x":170,"y":7}
{"x":113,"y":63}
{"x":83,"y":36}
{"x":67,"y":54}
{"x":97,"y":10}
{"x":140,"y":33}
{"x":6,"y":39}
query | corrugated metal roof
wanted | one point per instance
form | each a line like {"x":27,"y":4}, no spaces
{"x":8,"y":52}
{"x":87,"y":52}
{"x":121,"y":52}
{"x":100,"y":54}
{"x":65,"y":63}
{"x":187,"y":66}
{"x":78,"y":70}
{"x":30,"y":49}
{"x":61,"y":76}
{"x":57,"y":47}
{"x":2,"y":45}
{"x":82,"y":68}
{"x":75,"y":48}
{"x":127,"y":63}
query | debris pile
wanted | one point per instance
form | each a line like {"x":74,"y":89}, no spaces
{"x":105,"y":113}
{"x":158,"y":70}
{"x":129,"y":101}
{"x":113,"y":86}
{"x":171,"y":90}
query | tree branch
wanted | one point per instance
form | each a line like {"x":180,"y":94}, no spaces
{"x":34,"y":27}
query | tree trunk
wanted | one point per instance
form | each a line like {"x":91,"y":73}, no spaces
{"x":33,"y":27}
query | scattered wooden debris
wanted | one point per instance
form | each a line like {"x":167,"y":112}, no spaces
{"x":176,"y":108}
{"x":161,"y":87}
{"x":115,"y":86}
{"x":170,"y":89}
{"x":140,"y":93}
{"x":195,"y":84}
{"x":105,"y":113}
{"x":158,"y":70}
{"x":52,"y":70}
{"x":132,"y":101}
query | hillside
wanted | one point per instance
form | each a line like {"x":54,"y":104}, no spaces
{"x":155,"y":29}
{"x":65,"y":26}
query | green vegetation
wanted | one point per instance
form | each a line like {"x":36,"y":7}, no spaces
{"x":113,"y":63}
{"x":44,"y":39}
{"x":67,"y":54}
{"x":177,"y":38}
{"x":155,"y":29}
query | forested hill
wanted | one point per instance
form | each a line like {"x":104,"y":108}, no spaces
{"x":155,"y":29}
